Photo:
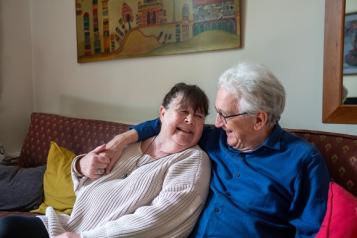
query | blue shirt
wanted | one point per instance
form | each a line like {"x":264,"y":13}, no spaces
{"x":277,"y":190}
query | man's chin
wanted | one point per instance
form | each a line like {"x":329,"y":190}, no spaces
{"x":231,"y":143}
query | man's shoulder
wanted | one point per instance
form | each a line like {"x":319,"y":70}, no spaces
{"x":294,"y":140}
{"x":282,"y":140}
{"x":299,"y":145}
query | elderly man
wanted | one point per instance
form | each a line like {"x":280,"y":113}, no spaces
{"x":265,"y":182}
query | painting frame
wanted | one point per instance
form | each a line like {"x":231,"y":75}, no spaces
{"x":350,"y":44}
{"x":118,"y":29}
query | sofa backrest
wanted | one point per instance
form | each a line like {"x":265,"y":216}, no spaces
{"x":340,"y":153}
{"x":77,"y":135}
{"x":83,"y":135}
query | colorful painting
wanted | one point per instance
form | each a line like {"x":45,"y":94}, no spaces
{"x":350,"y":44}
{"x":113,"y":29}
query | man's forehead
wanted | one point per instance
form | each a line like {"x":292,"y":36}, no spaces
{"x":226,"y":94}
{"x":226,"y":101}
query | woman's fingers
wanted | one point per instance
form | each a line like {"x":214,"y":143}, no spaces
{"x":99,"y":149}
{"x":94,"y":165}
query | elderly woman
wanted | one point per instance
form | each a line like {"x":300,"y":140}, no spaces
{"x":157,"y":190}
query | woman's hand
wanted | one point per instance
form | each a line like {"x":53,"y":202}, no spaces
{"x":116,"y":146}
{"x":94,"y":164}
{"x":68,"y":235}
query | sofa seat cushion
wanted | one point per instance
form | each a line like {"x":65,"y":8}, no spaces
{"x":14,"y":213}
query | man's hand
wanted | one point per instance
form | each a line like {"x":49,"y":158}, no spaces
{"x":68,"y":235}
{"x":116,"y":146}
{"x":94,"y":164}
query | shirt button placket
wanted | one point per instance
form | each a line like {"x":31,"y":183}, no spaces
{"x":237,"y":173}
{"x":217,"y":210}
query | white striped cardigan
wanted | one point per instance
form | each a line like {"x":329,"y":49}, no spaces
{"x":158,"y":198}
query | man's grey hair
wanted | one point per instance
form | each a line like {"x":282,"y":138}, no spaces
{"x":256,"y":89}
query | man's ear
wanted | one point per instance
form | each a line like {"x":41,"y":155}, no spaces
{"x":261,"y":120}
{"x":162,"y":112}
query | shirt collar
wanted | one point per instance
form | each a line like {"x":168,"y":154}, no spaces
{"x":273,"y":140}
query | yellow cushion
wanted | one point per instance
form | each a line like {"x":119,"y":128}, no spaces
{"x":57,"y":181}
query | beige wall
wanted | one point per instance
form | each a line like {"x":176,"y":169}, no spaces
{"x":286,"y":35}
{"x":16,"y":102}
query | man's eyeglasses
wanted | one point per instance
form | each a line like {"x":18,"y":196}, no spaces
{"x":224,"y":118}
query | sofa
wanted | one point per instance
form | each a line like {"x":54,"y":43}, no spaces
{"x":82,"y":135}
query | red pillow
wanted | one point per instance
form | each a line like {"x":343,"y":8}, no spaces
{"x":341,"y":215}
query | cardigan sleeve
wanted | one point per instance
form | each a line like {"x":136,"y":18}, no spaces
{"x":176,"y":208}
{"x":77,"y":179}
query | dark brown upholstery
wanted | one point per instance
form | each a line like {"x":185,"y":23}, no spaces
{"x":340,"y":153}
{"x":77,"y":135}
{"x":82,"y":135}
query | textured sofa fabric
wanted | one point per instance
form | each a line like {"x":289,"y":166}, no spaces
{"x":77,"y":135}
{"x":340,"y":153}
{"x":82,"y":135}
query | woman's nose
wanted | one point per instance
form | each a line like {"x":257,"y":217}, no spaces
{"x":189,"y":118}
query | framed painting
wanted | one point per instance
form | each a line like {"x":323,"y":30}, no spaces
{"x":350,"y":44}
{"x":113,"y":29}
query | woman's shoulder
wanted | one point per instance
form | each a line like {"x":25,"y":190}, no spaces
{"x":194,"y":155}
{"x":134,"y":147}
{"x":194,"y":162}
{"x":194,"y":151}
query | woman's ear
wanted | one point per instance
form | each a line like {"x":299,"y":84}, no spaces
{"x":162,"y":112}
{"x":261,"y":120}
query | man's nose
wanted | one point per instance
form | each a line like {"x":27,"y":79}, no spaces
{"x":219,"y":121}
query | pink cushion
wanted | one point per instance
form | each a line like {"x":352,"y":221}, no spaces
{"x":341,"y":215}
